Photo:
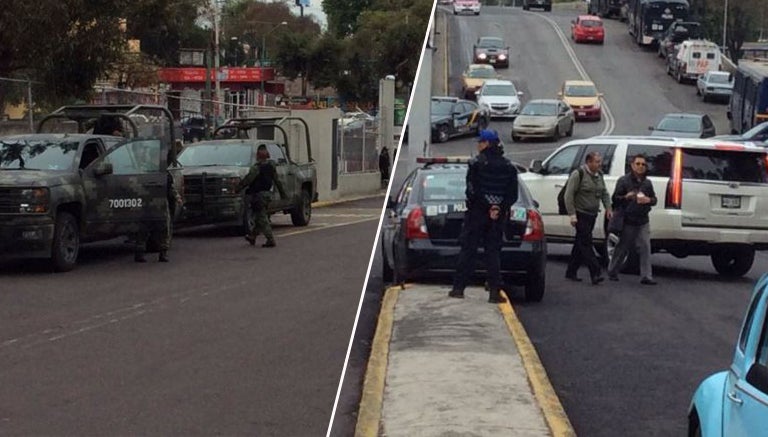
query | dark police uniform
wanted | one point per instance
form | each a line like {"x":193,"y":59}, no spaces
{"x":259,"y":181}
{"x":491,"y":183}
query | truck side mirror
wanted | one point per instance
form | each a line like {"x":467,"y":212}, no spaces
{"x":103,"y":168}
{"x":536,"y":166}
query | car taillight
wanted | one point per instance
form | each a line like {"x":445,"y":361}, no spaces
{"x":675,"y":185}
{"x":415,"y":226}
{"x":534,"y":230}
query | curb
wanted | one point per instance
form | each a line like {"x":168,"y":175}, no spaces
{"x":372,"y":400}
{"x":554,"y":413}
{"x":325,"y":203}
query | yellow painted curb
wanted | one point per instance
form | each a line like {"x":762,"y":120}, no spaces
{"x":550,"y":405}
{"x":325,"y":203}
{"x":369,"y":413}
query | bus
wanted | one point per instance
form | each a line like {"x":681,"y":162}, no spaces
{"x":649,"y":19}
{"x":749,"y":100}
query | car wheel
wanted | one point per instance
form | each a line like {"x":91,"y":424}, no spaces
{"x":556,"y":133}
{"x":516,"y":139}
{"x":535,"y":285}
{"x":548,"y":9}
{"x":733,"y":261}
{"x":570,"y":130}
{"x":66,"y":242}
{"x":302,"y":213}
{"x":698,"y":91}
{"x":387,"y":274}
{"x":679,"y":76}
{"x":442,"y":134}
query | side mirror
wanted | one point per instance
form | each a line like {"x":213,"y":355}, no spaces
{"x":651,"y":128}
{"x":536,"y":166}
{"x":103,"y":168}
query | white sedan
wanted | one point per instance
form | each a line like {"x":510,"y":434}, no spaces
{"x":500,"y":98}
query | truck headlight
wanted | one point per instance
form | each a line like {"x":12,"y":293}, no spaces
{"x":482,"y":56}
{"x":502,"y":57}
{"x":228,"y":185}
{"x":34,"y":200}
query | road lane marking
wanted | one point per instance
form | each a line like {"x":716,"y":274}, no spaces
{"x":610,"y":123}
{"x":550,"y":405}
{"x":137,"y":309}
{"x":372,"y":400}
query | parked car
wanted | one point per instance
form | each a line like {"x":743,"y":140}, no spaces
{"x":466,"y":6}
{"x":349,"y":117}
{"x":491,"y":50}
{"x":734,"y":402}
{"x":193,"y":129}
{"x":715,"y":85}
{"x":712,"y":196}
{"x":684,"y":126}
{"x":544,"y":118}
{"x":757,"y":135}
{"x":587,"y":28}
{"x":420,"y":232}
{"x":500,"y":98}
{"x":545,"y":5}
{"x":474,"y":77}
{"x":582,"y":96}
{"x":692,"y":59}
{"x":452,"y":117}
{"x":678,"y":32}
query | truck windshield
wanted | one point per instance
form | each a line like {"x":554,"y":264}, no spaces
{"x":216,"y":154}
{"x":26,"y":154}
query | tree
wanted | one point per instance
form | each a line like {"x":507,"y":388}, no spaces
{"x":67,"y":45}
{"x":342,"y":15}
{"x":314,"y":60}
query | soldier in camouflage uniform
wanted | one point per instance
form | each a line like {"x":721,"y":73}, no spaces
{"x":259,"y":181}
{"x":163,"y":234}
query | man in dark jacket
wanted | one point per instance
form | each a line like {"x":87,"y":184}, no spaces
{"x":259,"y":181}
{"x":634,"y":196}
{"x":491,"y":191}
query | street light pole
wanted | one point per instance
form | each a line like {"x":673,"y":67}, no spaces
{"x":725,"y":24}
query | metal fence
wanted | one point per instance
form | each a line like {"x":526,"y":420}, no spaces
{"x":358,"y":148}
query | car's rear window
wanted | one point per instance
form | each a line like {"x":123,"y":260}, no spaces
{"x":724,"y":165}
{"x":443,"y":186}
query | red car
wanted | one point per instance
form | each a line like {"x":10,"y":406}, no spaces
{"x":587,"y":28}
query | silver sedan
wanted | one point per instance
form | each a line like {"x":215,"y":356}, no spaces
{"x":544,"y":118}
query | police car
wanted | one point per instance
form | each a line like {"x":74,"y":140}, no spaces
{"x":420,"y":233}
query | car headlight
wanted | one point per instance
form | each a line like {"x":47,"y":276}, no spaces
{"x":482,"y":56}
{"x":502,"y":57}
{"x":34,"y":200}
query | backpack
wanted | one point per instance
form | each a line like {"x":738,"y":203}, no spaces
{"x":561,"y":195}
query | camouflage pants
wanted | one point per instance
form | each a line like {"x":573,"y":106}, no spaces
{"x":260,"y":206}
{"x":161,"y":234}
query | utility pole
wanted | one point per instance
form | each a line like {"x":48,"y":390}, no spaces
{"x":217,"y":104}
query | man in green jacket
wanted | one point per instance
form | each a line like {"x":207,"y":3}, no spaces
{"x":584,"y":192}
{"x":259,"y":181}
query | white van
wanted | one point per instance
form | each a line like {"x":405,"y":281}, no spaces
{"x":712,"y":195}
{"x":694,"y":58}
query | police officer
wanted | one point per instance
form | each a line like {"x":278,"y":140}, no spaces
{"x":491,"y":191}
{"x":163,"y":233}
{"x":259,"y":181}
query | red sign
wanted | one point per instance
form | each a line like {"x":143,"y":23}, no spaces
{"x":226,"y":74}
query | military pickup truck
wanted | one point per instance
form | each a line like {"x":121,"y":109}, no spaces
{"x":59,"y":190}
{"x":212,"y":169}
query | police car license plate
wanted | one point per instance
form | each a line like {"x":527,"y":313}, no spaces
{"x":582,"y":113}
{"x":730,"y":202}
{"x":492,"y":61}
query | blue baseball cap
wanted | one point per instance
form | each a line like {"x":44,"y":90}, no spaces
{"x":488,"y":135}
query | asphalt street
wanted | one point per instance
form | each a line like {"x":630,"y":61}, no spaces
{"x":226,"y":339}
{"x":623,"y":358}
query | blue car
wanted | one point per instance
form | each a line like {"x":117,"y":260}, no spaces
{"x":734,"y":403}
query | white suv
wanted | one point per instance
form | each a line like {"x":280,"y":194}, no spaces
{"x":712,"y":195}
{"x":464,"y":6}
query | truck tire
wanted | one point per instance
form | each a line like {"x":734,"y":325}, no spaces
{"x":733,"y":261}
{"x":66,"y":242}
{"x":302,"y":213}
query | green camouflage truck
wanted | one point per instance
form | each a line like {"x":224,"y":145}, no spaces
{"x":59,"y":190}
{"x":212,"y":169}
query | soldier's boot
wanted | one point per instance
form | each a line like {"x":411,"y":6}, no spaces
{"x":139,"y":257}
{"x":163,"y":257}
{"x":495,"y":297}
{"x":269,"y":243}
{"x":250,"y":239}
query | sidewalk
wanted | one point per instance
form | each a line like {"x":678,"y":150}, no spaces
{"x":451,"y":367}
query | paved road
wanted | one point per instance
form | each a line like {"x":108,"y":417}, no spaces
{"x":227,"y":339}
{"x":624,"y":359}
